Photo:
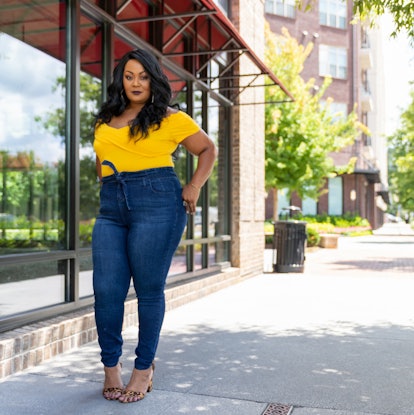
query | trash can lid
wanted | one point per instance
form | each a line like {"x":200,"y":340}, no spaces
{"x":292,"y":221}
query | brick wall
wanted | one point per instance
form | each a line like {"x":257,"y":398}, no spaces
{"x":248,"y":148}
{"x":306,"y":28}
{"x":31,"y":345}
{"x":323,"y":201}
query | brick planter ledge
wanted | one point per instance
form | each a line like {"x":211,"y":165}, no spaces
{"x":31,"y":345}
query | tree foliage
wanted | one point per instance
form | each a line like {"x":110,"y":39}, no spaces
{"x":90,"y":97}
{"x":401,"y":154}
{"x":300,"y":135}
{"x":54,"y":122}
{"x":401,"y":11}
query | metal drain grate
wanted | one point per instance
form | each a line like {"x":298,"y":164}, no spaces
{"x":277,"y":409}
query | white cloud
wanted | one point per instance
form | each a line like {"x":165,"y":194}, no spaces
{"x":27,"y":77}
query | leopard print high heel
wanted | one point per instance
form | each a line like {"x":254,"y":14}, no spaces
{"x":113,"y":393}
{"x":130,"y":396}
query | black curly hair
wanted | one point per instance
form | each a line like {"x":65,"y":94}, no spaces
{"x":154,"y":110}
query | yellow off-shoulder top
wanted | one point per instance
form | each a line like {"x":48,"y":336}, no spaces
{"x":115,"y":144}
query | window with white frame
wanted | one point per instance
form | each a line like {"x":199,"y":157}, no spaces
{"x":286,"y":8}
{"x":333,"y":13}
{"x":224,"y":4}
{"x":283,"y":202}
{"x":338,"y":110}
{"x":309,"y":206}
{"x":332,"y":61}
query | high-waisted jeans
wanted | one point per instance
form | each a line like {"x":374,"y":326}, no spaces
{"x":139,"y":226}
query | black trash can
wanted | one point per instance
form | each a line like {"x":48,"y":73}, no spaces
{"x":289,"y":242}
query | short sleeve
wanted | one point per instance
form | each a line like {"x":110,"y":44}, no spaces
{"x":181,"y":126}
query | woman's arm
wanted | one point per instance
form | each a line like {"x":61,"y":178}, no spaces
{"x":98,"y":168}
{"x":200,"y":145}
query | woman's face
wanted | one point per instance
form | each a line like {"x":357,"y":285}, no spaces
{"x":137,"y":83}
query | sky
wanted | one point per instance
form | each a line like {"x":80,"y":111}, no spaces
{"x":398,"y":72}
{"x":34,"y":76}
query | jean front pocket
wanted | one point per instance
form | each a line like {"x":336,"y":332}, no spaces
{"x":165,"y":185}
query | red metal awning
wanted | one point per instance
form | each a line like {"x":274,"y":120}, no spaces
{"x":228,"y":26}
{"x":192,"y":33}
{"x":187,"y":36}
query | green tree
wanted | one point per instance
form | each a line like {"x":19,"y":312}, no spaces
{"x":401,"y":155}
{"x":401,"y":11}
{"x":54,"y":122}
{"x":300,"y":135}
{"x":90,"y":97}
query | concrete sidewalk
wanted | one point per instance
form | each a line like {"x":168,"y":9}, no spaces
{"x":335,"y":340}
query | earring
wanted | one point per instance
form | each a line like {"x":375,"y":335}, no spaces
{"x":122,"y":97}
{"x":152,"y":99}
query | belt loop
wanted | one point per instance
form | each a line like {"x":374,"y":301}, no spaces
{"x":120,"y":179}
{"x":111,"y":165}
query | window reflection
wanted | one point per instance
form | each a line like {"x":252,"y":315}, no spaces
{"x":36,"y":161}
{"x":179,"y":264}
{"x":32,"y":151}
{"x":23,"y":286}
{"x":90,"y":101}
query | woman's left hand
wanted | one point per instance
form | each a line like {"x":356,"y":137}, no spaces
{"x":200,"y":145}
{"x":190,"y":196}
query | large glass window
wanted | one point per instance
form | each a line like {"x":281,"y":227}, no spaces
{"x":48,"y":190}
{"x":224,"y":4}
{"x":283,"y":203}
{"x":332,"y":61}
{"x":22,"y":286}
{"x":32,"y":152}
{"x":212,"y":217}
{"x":333,"y":13}
{"x":179,"y":263}
{"x":89,"y":102}
{"x":335,"y":196}
{"x":309,"y":206}
{"x":338,"y":110}
{"x":286,"y":8}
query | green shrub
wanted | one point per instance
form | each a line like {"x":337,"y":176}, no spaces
{"x":343,"y":221}
{"x":268,"y":227}
{"x":347,"y":224}
{"x":269,"y":231}
{"x":313,"y":237}
{"x":85,"y":233}
{"x":321,"y":227}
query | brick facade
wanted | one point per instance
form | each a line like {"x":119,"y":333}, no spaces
{"x":248,"y":149}
{"x":29,"y":346}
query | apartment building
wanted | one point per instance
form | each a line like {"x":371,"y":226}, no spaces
{"x":351,"y":54}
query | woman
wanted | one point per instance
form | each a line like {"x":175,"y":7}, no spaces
{"x":142,"y":211}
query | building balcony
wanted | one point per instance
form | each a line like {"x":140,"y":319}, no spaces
{"x":365,"y":58}
{"x":366,"y":101}
{"x":367,"y":152}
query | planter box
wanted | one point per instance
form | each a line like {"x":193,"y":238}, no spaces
{"x":328,"y":241}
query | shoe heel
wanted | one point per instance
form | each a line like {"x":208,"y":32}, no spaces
{"x":150,"y":386}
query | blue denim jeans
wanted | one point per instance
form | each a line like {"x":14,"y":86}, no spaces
{"x":139,"y":226}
